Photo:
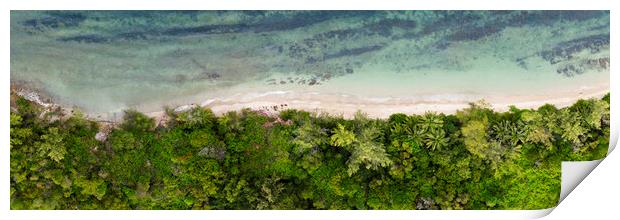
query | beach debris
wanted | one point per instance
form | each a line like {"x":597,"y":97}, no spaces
{"x":101,"y":136}
{"x":264,"y":112}
{"x":267,"y":111}
{"x":184,"y":108}
{"x":104,"y":132}
{"x":277,"y":120}
{"x":50,"y":111}
{"x":33,"y":96}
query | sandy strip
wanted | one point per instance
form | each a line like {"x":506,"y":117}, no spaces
{"x":348,"y":105}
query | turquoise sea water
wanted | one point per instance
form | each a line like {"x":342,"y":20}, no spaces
{"x":103,"y":61}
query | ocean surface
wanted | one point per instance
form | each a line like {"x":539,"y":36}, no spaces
{"x":107,"y":61}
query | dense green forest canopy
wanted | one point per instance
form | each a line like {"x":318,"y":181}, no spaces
{"x":474,"y":159}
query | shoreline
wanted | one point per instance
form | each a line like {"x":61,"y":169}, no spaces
{"x":345,"y":105}
{"x":381,"y":107}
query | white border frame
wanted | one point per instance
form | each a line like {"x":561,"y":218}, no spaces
{"x":286,"y":5}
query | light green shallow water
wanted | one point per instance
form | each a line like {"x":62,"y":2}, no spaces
{"x":106,"y":61}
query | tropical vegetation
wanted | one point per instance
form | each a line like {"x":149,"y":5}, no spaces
{"x":474,"y":159}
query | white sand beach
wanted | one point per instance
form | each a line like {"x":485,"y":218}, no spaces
{"x":375,"y":107}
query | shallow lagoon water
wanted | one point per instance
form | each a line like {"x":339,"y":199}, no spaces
{"x":106,"y":61}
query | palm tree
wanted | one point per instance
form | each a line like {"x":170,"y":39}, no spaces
{"x":510,"y":133}
{"x":430,"y":121}
{"x":519,"y":133}
{"x":436,"y":139}
{"x":502,"y":131}
{"x":411,"y":122}
{"x":415,"y":135}
{"x":409,"y":131}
